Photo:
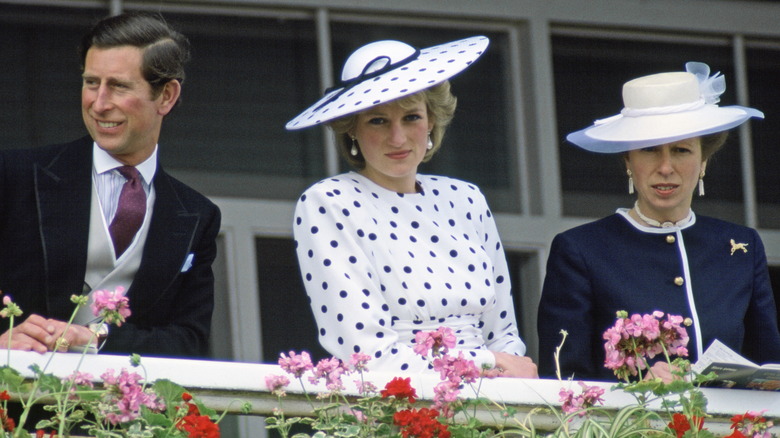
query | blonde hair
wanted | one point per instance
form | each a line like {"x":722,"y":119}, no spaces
{"x":439,"y":102}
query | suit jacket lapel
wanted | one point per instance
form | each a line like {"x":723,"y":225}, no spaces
{"x":63,"y":188}
{"x":168,"y":243}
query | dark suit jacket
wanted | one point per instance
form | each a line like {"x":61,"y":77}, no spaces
{"x":45,"y":196}
{"x":599,"y":268}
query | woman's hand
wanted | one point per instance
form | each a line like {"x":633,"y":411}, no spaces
{"x":40,"y":334}
{"x":509,"y":365}
{"x":661,"y":370}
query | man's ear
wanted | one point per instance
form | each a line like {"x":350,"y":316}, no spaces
{"x":168,"y":97}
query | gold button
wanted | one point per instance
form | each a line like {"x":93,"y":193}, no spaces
{"x":670,"y":238}
{"x":687,"y":322}
{"x":679,"y":281}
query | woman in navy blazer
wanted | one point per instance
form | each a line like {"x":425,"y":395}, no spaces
{"x":659,"y":255}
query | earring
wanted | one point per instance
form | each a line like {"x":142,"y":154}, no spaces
{"x":430,"y":142}
{"x":630,"y":182}
{"x":701,"y":184}
{"x":354,"y":150}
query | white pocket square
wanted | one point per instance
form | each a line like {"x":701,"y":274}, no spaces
{"x":188,"y":262}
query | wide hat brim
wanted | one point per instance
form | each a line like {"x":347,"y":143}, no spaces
{"x":433,"y":66}
{"x":624,"y":133}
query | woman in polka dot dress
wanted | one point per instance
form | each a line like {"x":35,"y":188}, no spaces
{"x":386,"y":252}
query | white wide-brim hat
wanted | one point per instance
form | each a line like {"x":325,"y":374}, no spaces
{"x":664,"y":108}
{"x":384,"y":71}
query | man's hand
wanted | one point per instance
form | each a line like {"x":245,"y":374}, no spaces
{"x":40,"y":334}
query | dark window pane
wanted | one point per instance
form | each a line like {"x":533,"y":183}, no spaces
{"x":287,"y":322}
{"x":763,"y":71}
{"x":477,"y":146}
{"x":41,"y":80}
{"x":774,"y":277}
{"x":247,"y":77}
{"x":516,"y":261}
{"x":589,"y":77}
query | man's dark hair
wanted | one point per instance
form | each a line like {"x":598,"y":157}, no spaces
{"x":165,"y":50}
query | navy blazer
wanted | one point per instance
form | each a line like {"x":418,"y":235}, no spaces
{"x":45,"y":196}
{"x":596,"y":269}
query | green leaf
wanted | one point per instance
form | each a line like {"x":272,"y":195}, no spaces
{"x":157,"y":419}
{"x":347,"y":431}
{"x":11,"y":378}
{"x":50,"y":383}
{"x":169,"y":391}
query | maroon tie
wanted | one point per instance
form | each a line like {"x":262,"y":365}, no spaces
{"x":129,"y":212}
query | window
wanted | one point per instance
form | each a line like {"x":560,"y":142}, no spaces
{"x":763,"y":63}
{"x":247,"y":78}
{"x":41,"y":80}
{"x":287,"y":322}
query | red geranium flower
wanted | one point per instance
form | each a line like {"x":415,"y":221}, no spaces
{"x":680,"y":423}
{"x":422,"y":423}
{"x":751,"y":422}
{"x":199,"y":426}
{"x":400,"y":388}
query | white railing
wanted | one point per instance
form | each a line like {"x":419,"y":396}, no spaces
{"x":227,"y":385}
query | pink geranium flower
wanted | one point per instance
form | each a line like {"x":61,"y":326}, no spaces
{"x":359,"y":361}
{"x":445,"y":394}
{"x":296,"y":364}
{"x":331,"y":371}
{"x":276,"y":384}
{"x":590,"y":396}
{"x":437,"y":342}
{"x":457,"y":370}
{"x":635,"y":339}
{"x":112,"y":306}
{"x":125,"y":397}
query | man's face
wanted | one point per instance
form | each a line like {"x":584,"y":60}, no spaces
{"x":117,"y":104}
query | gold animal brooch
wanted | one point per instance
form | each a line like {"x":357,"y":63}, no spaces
{"x":737,"y":246}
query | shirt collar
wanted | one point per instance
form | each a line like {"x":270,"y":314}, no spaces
{"x":104,"y":162}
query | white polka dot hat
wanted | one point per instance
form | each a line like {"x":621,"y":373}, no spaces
{"x":383,"y":71}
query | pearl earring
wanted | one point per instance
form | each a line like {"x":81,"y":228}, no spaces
{"x":630,"y":182}
{"x":354,"y":150}
{"x":430,"y":142}
{"x":701,"y":184}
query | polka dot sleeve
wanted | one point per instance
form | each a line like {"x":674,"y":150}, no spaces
{"x":500,"y":323}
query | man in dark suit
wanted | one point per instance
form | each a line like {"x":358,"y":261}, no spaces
{"x":59,"y":205}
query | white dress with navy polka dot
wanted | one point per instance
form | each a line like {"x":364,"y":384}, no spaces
{"x":379,"y":266}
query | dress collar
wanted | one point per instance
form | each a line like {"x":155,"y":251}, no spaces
{"x":655,"y":230}
{"x":656,"y":224}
